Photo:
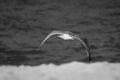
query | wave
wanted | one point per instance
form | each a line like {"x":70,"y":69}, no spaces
{"x":68,"y":71}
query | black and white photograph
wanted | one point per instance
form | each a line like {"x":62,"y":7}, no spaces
{"x":59,"y":39}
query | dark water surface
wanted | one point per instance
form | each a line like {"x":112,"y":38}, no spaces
{"x":25,"y":23}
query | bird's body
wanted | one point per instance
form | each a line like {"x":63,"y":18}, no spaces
{"x":66,"y":35}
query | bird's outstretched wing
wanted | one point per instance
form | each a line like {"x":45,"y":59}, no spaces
{"x":76,"y":36}
{"x":84,"y":44}
{"x":48,"y":36}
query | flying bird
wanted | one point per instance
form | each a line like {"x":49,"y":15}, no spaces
{"x":67,"y":35}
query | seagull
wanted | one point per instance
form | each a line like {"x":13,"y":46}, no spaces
{"x":67,"y":35}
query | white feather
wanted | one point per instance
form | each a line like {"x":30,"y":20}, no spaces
{"x":66,"y":36}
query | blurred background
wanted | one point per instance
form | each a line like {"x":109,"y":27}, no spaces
{"x":25,"y":23}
